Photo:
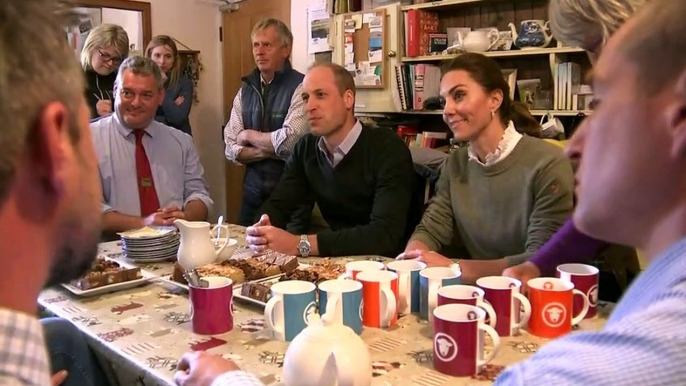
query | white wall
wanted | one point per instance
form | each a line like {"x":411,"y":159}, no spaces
{"x":131,"y":21}
{"x":300,"y":59}
{"x":196,"y":23}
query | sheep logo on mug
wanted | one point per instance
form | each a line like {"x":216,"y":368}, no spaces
{"x":593,"y":296}
{"x":554,"y":314}
{"x":310,"y":310}
{"x":361,"y":309}
{"x":445,"y":347}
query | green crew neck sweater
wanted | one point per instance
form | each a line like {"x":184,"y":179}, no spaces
{"x":365,"y":199}
{"x":509,"y":209}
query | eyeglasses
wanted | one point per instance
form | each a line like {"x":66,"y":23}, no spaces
{"x":105,"y":57}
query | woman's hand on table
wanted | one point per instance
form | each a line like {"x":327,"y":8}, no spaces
{"x":430,"y":258}
{"x":523,"y":272}
{"x":201,"y":369}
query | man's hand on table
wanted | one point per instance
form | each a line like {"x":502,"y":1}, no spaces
{"x":165,"y":216}
{"x":263,"y":236}
{"x":201,"y":369}
{"x":58,"y":378}
{"x":431,"y":258}
{"x":523,"y":272}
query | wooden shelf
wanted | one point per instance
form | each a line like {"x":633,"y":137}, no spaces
{"x":497,"y":54}
{"x":441,"y":4}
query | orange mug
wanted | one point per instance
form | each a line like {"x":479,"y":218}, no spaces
{"x":552,"y":304}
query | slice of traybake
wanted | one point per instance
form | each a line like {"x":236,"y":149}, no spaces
{"x":105,"y":272}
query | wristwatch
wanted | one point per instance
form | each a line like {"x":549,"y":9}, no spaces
{"x":455,"y":266}
{"x":304,"y":246}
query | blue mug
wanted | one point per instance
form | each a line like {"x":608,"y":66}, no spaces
{"x":430,"y":280}
{"x":408,"y":284}
{"x":341,"y":300}
{"x":288,"y":311}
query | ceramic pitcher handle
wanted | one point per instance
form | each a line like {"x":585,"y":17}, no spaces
{"x":391,"y":307}
{"x":524,"y":316}
{"x":217,"y":252}
{"x":584,"y":311}
{"x":493,"y":32}
{"x":496,"y":343}
{"x":219,"y":228}
{"x":269,"y":314}
{"x":489,"y":310}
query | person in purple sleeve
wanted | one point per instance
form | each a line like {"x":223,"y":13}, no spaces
{"x":585,"y":24}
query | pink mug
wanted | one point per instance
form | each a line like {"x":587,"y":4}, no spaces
{"x":212,"y":306}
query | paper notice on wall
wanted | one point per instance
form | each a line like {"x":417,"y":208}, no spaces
{"x":367,"y":17}
{"x":319,"y":27}
{"x":375,"y":45}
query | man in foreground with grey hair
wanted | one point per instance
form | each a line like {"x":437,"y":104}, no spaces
{"x":150,"y":172}
{"x":49,"y":187}
{"x":633,"y":147}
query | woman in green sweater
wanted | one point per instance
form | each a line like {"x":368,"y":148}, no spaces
{"x":503,"y":196}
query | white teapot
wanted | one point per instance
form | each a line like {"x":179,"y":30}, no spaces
{"x":196,"y":248}
{"x":327,"y":354}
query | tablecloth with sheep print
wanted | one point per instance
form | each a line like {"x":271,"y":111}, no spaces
{"x":143,"y":331}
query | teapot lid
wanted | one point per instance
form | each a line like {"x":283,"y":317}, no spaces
{"x":325,"y":327}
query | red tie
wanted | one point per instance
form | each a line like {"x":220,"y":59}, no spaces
{"x":146,"y":186}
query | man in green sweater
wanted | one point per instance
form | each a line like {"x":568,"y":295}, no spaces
{"x":361,"y":178}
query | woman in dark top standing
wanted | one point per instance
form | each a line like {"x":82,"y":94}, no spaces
{"x":178,"y":94}
{"x":105,"y":48}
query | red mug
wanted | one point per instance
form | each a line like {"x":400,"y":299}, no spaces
{"x":504,"y":296}
{"x":458,"y":339}
{"x":469,"y":295}
{"x":551,"y":307}
{"x":379,"y":307}
{"x":212,"y":306}
{"x":585,"y":279}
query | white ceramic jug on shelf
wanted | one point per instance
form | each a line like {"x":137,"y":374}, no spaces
{"x":196,"y":248}
{"x":480,"y":40}
{"x":327,"y":354}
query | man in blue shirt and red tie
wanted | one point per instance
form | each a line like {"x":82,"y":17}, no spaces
{"x":150,"y":172}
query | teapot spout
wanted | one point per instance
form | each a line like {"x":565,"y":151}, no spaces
{"x":514,"y":31}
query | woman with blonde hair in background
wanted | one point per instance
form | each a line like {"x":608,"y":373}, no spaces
{"x":105,"y":48}
{"x":586,"y":24}
{"x":178,"y":94}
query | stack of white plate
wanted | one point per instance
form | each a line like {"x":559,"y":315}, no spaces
{"x":150,"y":244}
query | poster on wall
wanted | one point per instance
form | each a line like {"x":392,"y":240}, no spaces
{"x":319,"y":27}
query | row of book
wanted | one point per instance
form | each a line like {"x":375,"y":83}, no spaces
{"x":414,"y":84}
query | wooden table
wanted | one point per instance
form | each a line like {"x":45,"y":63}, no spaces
{"x":144,"y":331}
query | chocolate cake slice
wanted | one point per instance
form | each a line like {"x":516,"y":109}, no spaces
{"x":105,"y":272}
{"x":257,"y":291}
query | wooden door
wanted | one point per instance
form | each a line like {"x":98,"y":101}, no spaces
{"x":238,"y":61}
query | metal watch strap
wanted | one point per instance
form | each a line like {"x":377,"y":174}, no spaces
{"x":304,"y":246}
